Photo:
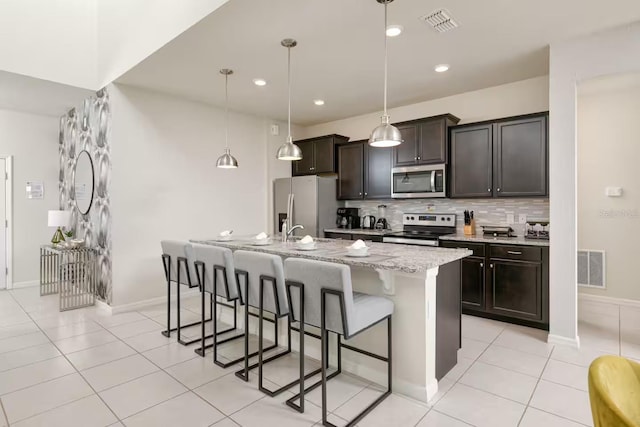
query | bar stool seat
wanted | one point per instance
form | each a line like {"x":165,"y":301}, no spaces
{"x":368,"y":310}
{"x":321,"y":294}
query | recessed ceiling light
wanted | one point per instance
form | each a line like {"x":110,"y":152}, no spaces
{"x":318,"y":101}
{"x":394,"y":30}
{"x":259,"y":82}
{"x":441,"y":68}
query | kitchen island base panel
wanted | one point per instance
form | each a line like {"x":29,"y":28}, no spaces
{"x":426,"y":316}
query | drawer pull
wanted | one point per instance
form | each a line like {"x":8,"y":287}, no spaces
{"x":514,"y":252}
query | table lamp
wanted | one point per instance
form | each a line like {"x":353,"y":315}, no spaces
{"x":59,"y":219}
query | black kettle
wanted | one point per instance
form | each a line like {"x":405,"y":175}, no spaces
{"x":369,"y":221}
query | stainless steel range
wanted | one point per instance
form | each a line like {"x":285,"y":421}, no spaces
{"x":423,"y":229}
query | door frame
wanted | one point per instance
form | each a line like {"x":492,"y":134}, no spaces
{"x":9,"y":216}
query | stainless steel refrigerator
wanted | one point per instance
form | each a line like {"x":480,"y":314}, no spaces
{"x":307,"y":200}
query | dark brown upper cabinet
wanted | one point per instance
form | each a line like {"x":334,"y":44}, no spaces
{"x":471,"y":161}
{"x":520,"y":157}
{"x":318,"y":155}
{"x":350,"y":171}
{"x":507,"y":158}
{"x":425,"y":141}
{"x":364,"y":172}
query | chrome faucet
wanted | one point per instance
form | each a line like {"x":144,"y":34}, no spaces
{"x":290,"y":231}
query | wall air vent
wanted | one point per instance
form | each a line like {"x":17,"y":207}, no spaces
{"x":591,"y":269}
{"x":441,"y":20}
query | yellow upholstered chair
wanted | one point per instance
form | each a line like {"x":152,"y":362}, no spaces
{"x":614,"y":392}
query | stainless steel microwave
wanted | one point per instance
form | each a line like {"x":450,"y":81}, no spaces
{"x":416,"y":182}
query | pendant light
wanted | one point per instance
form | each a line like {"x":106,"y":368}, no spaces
{"x":289,"y":150}
{"x":226,"y":161}
{"x":385,"y":135}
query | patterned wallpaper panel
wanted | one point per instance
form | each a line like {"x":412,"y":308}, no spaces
{"x":486,"y":211}
{"x":88,"y":129}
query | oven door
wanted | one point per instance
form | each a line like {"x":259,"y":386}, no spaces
{"x":413,"y":182}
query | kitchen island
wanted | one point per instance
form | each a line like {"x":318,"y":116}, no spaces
{"x":424,"y":284}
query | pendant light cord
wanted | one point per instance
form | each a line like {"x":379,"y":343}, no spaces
{"x":385,"y":58}
{"x":289,"y":86}
{"x":226,"y":110}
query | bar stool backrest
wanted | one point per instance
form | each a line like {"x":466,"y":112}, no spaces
{"x":176,"y":249}
{"x":256,"y":265}
{"x":214,"y":255}
{"x":316,"y":275}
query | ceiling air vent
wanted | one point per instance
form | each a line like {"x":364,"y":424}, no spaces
{"x":441,"y":20}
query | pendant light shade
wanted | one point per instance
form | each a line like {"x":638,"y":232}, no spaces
{"x":226,"y":161}
{"x":385,"y":134}
{"x":289,"y":150}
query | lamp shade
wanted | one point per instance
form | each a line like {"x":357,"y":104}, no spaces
{"x":227,"y":161}
{"x":385,"y":135}
{"x":289,"y":151}
{"x":59,"y":218}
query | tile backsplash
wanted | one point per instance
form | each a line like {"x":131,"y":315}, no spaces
{"x":486,"y":211}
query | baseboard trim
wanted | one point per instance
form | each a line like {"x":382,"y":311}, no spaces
{"x":138,"y":305}
{"x":609,"y":300}
{"x":103,"y":307}
{"x":27,"y":284}
{"x":560,"y":340}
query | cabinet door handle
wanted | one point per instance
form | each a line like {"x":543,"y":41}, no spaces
{"x":312,"y":169}
{"x":498,"y":189}
{"x":489,"y":190}
{"x":418,"y":157}
{"x":482,"y":265}
{"x":359,"y":194}
{"x":490,"y":265}
{"x":514,"y":252}
{"x":366,"y":194}
{"x":415,"y":158}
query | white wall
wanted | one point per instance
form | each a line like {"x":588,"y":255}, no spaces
{"x":608,"y":153}
{"x":33,"y":141}
{"x":131,"y":30}
{"x":165,"y":184}
{"x":523,"y":97}
{"x":571,"y":62}
{"x":52,"y":40}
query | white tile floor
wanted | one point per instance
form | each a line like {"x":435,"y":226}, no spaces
{"x":81,"y":368}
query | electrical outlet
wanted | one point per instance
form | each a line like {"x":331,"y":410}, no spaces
{"x":522,"y":218}
{"x":510,"y":218}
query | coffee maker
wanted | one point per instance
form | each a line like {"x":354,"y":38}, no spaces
{"x":348,"y":218}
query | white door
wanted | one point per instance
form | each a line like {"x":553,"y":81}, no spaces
{"x":3,"y":222}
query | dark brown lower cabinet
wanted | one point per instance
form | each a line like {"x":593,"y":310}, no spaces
{"x":505,"y":282}
{"x":516,"y":289}
{"x":472,"y":282}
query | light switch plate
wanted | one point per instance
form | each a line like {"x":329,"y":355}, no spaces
{"x":510,"y":218}
{"x":613,"y":191}
{"x":522,"y":218}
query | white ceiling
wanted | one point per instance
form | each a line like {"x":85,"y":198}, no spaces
{"x":340,"y":48}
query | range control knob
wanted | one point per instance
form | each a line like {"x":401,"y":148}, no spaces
{"x":449,"y":219}
{"x":442,"y":219}
{"x":412,"y":218}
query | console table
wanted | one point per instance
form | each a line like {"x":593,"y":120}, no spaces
{"x":70,"y":272}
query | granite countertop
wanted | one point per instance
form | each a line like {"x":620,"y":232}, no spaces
{"x":479,"y":238}
{"x":368,"y":231}
{"x":382,"y":256}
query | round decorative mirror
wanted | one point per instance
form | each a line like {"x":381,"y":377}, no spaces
{"x":83,"y":182}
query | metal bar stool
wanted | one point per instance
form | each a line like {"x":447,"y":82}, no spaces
{"x":321,"y":295}
{"x":215,"y":271}
{"x":179,"y":270}
{"x":262,"y":286}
